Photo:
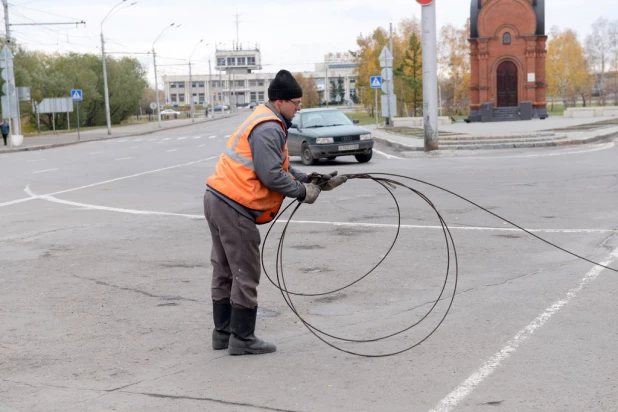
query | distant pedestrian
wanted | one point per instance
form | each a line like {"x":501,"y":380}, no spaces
{"x":5,"y":128}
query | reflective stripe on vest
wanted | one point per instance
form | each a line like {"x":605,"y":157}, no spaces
{"x":235,"y":175}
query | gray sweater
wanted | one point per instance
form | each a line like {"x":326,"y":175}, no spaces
{"x":267,"y":141}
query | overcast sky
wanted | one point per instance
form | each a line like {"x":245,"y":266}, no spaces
{"x":292,"y":34}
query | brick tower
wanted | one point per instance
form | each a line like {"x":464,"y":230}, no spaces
{"x":507,"y":53}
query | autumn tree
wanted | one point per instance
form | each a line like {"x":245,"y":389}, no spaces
{"x":311,"y":98}
{"x":411,"y":72}
{"x":454,"y":65}
{"x":567,"y":74}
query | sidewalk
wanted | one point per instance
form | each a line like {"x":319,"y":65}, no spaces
{"x":505,"y":135}
{"x":49,"y":141}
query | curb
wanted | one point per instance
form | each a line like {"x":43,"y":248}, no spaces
{"x":54,"y":145}
{"x":505,"y":145}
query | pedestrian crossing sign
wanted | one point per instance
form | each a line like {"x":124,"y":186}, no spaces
{"x":76,"y":95}
{"x":375,"y":82}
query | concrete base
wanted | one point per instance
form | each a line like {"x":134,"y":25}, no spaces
{"x":417,"y":121}
{"x":588,"y":112}
{"x":540,"y":113}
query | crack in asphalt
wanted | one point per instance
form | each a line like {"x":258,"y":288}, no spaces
{"x":141,"y":292}
{"x":214,"y":400}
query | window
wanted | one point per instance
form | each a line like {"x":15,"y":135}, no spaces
{"x":181,"y":98}
{"x":180,"y":85}
{"x":200,"y":99}
{"x":506,"y":39}
{"x":174,"y":98}
{"x":172,"y":85}
{"x":239,"y":83}
{"x":352,"y":80}
{"x":253,"y":96}
{"x":200,"y":84}
{"x":220,"y":61}
{"x":231,"y":61}
{"x":261,"y":96}
{"x":251,"y":61}
{"x":241,"y":61}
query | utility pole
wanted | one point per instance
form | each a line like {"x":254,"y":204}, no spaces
{"x":7,"y":26}
{"x":389,"y":119}
{"x":154,"y":59}
{"x":108,"y":116}
{"x":430,"y":77}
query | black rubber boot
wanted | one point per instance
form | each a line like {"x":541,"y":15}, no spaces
{"x":243,"y":340}
{"x":222,"y":314}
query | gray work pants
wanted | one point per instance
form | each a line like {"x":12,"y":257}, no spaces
{"x":235,"y":255}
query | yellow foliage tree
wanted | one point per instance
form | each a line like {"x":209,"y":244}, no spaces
{"x":454,"y":68}
{"x":368,"y":54}
{"x":567,"y":73}
{"x":311,"y":98}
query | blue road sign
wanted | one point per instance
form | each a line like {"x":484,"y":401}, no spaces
{"x":76,"y":95}
{"x":375,"y":82}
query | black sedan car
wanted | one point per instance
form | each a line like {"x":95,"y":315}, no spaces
{"x":327,"y":133}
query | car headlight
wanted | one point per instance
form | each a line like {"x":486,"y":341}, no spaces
{"x":365,"y":137}
{"x":323,"y":140}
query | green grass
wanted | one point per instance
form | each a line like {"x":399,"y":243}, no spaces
{"x":362,"y":117}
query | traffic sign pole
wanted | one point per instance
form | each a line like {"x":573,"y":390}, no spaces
{"x":77,"y":107}
{"x":376,"y":108}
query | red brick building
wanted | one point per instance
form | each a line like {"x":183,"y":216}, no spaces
{"x":507,"y":52}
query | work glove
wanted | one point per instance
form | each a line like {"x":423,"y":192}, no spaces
{"x":312,"y":191}
{"x":333,"y":182}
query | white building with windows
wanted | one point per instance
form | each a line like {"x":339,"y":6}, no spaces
{"x":238,"y":81}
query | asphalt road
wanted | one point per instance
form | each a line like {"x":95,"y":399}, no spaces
{"x":104,"y":287}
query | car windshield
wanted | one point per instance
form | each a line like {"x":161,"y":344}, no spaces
{"x":324,"y":118}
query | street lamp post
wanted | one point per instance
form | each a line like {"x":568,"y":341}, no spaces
{"x":210,"y":99}
{"x":191,"y":83}
{"x":105,"y":88}
{"x":154,"y":59}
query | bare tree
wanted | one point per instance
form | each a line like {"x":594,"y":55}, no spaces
{"x":598,"y":51}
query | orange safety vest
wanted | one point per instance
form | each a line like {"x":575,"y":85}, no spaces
{"x":235,"y":175}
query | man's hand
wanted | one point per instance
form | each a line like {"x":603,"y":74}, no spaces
{"x":312,"y":191}
{"x":333,"y":183}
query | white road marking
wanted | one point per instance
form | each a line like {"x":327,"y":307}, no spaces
{"x":138,"y":140}
{"x":202,"y":145}
{"x":470,"y":228}
{"x":226,"y":136}
{"x":44,"y":171}
{"x":465,"y":388}
{"x":27,"y":199}
{"x":197,"y":137}
{"x":124,"y":158}
{"x":167,"y":138}
{"x":182,"y":138}
{"x":386,"y":155}
{"x":108,"y":209}
{"x":37,"y":160}
{"x":172,"y":150}
{"x":120,"y":141}
{"x":151,"y":140}
{"x":212,"y":137}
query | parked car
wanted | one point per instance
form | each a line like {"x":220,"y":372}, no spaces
{"x":169,"y":111}
{"x":327,"y":133}
{"x":221,"y":107}
{"x":253,"y":105}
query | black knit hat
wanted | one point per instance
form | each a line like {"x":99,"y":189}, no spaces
{"x":284,"y":87}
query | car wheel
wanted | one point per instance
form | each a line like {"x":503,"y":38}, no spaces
{"x":307,"y":156}
{"x":364,"y":158}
